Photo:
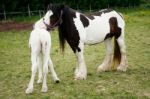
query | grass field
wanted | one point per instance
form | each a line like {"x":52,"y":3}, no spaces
{"x":134,"y":84}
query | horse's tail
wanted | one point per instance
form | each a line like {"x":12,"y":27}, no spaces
{"x":61,"y":40}
{"x":117,"y":54}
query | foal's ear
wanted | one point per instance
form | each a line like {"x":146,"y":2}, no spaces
{"x":49,"y":6}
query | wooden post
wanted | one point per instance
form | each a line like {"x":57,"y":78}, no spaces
{"x":77,"y":7}
{"x":29,"y":12}
{"x":4,"y":12}
{"x":90,"y":8}
{"x":40,"y":14}
{"x":108,"y":5}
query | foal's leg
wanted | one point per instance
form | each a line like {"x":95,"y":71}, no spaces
{"x":33,"y":69}
{"x":105,"y":66}
{"x":40,"y":77}
{"x":81,"y":71}
{"x":51,"y":67}
{"x":45,"y":69}
{"x":123,"y":64}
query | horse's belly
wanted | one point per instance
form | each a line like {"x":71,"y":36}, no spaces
{"x":96,"y":31}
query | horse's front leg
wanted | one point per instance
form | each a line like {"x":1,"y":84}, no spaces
{"x":81,"y":71}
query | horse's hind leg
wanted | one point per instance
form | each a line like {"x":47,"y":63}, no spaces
{"x":105,"y":66}
{"x":81,"y":71}
{"x":123,"y":63}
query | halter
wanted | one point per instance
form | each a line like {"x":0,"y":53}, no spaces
{"x":58,"y":22}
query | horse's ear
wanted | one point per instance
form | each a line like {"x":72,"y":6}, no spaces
{"x":62,"y":6}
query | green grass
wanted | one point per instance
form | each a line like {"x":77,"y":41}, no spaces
{"x":15,"y":66}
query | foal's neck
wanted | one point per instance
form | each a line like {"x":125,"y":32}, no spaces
{"x":40,"y":24}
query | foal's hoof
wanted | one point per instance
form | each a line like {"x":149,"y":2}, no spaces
{"x":122,"y":68}
{"x":29,"y":90}
{"x":57,"y":81}
{"x":44,"y":89}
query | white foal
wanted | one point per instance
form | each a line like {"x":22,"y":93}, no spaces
{"x":40,"y":44}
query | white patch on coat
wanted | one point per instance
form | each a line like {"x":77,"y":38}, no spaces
{"x":80,"y":28}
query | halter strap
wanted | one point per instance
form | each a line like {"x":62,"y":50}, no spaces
{"x":58,"y":22}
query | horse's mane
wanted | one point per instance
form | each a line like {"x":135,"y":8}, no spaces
{"x":67,"y":29}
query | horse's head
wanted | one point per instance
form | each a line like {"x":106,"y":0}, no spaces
{"x":53,"y":16}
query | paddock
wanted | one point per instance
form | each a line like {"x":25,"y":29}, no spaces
{"x":15,"y":66}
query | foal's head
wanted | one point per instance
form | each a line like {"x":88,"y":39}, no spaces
{"x":47,"y":16}
{"x":56,"y":11}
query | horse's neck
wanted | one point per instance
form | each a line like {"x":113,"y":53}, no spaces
{"x":39,"y":24}
{"x":67,"y":16}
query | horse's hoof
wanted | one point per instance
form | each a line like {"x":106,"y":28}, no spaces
{"x":101,"y":69}
{"x":44,"y":89}
{"x":29,"y":90}
{"x":122,"y":68}
{"x":80,"y":77}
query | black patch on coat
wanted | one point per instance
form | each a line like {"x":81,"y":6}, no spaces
{"x":105,"y":11}
{"x":84,"y":20}
{"x":91,"y":15}
{"x":114,"y":29}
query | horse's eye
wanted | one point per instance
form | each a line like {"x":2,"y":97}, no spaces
{"x":52,"y":16}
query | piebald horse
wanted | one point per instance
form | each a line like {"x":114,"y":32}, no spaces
{"x":79,"y":29}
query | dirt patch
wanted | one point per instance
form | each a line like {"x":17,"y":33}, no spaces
{"x":15,"y":26}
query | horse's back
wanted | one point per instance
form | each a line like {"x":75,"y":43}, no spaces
{"x":99,"y":26}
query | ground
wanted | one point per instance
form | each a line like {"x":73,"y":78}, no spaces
{"x":15,"y":66}
{"x":12,"y":25}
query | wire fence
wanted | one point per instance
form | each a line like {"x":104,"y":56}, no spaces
{"x":7,"y":15}
{"x":21,"y":12}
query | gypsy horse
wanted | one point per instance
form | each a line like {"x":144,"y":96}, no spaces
{"x":40,"y":44}
{"x":79,"y":29}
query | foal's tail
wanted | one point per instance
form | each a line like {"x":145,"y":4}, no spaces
{"x":117,"y":55}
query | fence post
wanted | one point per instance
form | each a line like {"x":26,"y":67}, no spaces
{"x":108,"y":5}
{"x":4,"y":12}
{"x":90,"y":8}
{"x":29,"y":12}
{"x":77,"y":7}
{"x":40,"y":13}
